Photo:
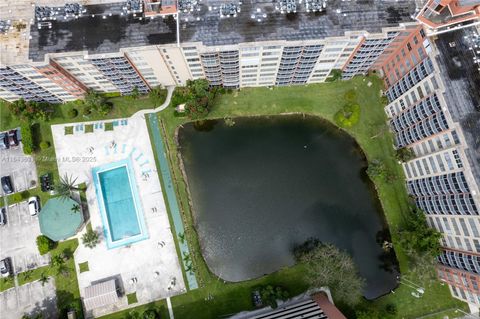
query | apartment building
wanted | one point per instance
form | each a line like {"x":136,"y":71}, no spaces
{"x":432,"y":83}
{"x":440,"y":16}
{"x":425,"y":117}
{"x":261,"y":46}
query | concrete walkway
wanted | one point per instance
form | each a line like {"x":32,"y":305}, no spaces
{"x":142,"y":113}
{"x":169,"y":306}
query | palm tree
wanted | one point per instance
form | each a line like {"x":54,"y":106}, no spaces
{"x":66,"y":186}
{"x":135,"y":93}
{"x":90,"y":239}
{"x":44,"y":279}
{"x":76,"y":208}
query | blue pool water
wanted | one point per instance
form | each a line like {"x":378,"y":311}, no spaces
{"x":119,"y":204}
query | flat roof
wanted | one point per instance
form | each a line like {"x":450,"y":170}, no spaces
{"x":103,"y":35}
{"x":338,"y":17}
{"x":98,"y":34}
{"x":461,"y":76}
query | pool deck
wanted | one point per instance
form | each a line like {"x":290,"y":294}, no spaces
{"x":154,"y":261}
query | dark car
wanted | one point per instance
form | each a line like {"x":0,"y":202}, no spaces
{"x":4,"y":141}
{"x":5,"y":267}
{"x":7,"y":185}
{"x":3,"y":216}
{"x":13,"y":138}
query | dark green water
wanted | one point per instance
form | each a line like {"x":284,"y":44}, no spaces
{"x":265,"y":185}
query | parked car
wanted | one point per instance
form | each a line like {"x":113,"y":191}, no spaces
{"x":4,"y":141}
{"x":13,"y":138}
{"x":3,"y":216}
{"x":5,"y":267}
{"x":33,"y":205}
{"x":7,"y":184}
{"x":257,"y":299}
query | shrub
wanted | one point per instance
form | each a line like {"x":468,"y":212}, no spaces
{"x":44,"y":244}
{"x":44,"y":145}
{"x":27,"y":137}
{"x":150,"y":314}
{"x":348,"y":116}
{"x":72,"y":113}
{"x":87,"y":110}
{"x":30,"y":110}
{"x":351,"y":95}
{"x":104,"y":109}
{"x":271,"y":294}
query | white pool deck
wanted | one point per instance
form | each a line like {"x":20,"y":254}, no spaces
{"x":154,"y":261}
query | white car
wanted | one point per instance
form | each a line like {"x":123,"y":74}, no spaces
{"x":33,"y":206}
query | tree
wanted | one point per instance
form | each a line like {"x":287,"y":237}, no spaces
{"x":376,"y":169}
{"x":76,"y":208}
{"x":43,"y":278}
{"x":326,"y":265}
{"x":44,"y":244}
{"x":90,"y":239}
{"x":135,"y":93}
{"x":404,"y":154}
{"x":418,"y":238}
{"x":335,"y":75}
{"x":157,"y":94}
{"x":93,"y":99}
{"x":66,"y":186}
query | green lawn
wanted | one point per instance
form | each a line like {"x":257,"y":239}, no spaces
{"x":6,"y":283}
{"x":83,"y":267}
{"x":371,"y":133}
{"x":132,"y":298}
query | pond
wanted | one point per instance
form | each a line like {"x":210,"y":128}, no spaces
{"x":265,"y":185}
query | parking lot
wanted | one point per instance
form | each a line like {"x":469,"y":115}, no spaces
{"x":29,"y":299}
{"x":18,"y":239}
{"x":20,"y":167}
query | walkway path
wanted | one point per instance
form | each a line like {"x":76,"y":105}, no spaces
{"x":169,"y":306}
{"x":171,"y":199}
{"x":142,"y":113}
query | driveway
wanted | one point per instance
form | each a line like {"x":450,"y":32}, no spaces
{"x":20,"y":167}
{"x":18,"y":239}
{"x":30,"y":299}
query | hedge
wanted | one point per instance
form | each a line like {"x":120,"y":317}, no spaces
{"x":27,"y":137}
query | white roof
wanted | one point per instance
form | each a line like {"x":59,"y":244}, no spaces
{"x":101,"y":294}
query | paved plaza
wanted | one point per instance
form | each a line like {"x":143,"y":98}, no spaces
{"x":148,"y":267}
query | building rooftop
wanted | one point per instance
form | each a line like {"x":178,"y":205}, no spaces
{"x":104,"y":32}
{"x":459,"y":62}
{"x":107,"y":30}
{"x":251,"y":24}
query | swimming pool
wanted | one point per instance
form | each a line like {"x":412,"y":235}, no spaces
{"x":119,"y":203}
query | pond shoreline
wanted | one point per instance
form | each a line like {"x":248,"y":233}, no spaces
{"x":304,"y":115}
